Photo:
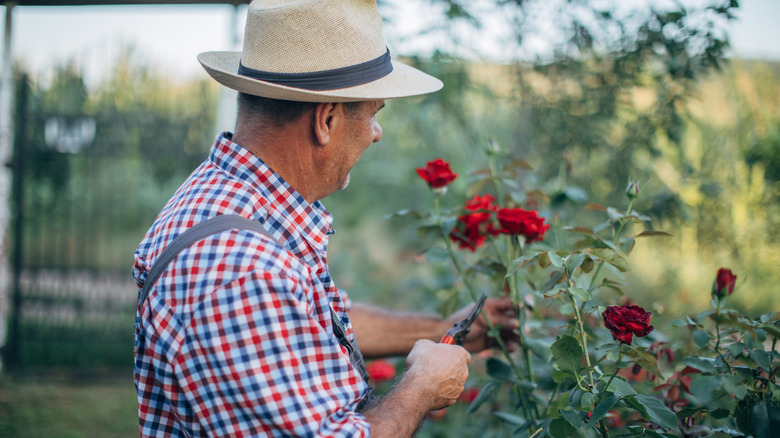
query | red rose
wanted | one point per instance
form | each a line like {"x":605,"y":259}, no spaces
{"x":437,"y":173}
{"x":380,"y":370}
{"x":519,"y":221}
{"x":471,"y":229}
{"x":724,"y":283}
{"x":626,"y":321}
{"x":468,"y":395}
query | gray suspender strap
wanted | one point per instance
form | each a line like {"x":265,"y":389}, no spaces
{"x":213,"y":226}
{"x":200,"y":231}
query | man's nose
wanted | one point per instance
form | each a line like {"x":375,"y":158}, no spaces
{"x":377,"y":132}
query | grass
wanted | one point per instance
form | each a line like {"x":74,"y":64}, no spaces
{"x":68,"y":404}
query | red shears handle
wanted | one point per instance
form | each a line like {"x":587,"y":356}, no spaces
{"x":457,"y":334}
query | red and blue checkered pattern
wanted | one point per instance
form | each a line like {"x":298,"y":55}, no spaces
{"x":236,"y":337}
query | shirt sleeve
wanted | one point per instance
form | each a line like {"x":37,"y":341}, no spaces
{"x":256,"y":362}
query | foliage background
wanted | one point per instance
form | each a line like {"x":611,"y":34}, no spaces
{"x":704,"y":142}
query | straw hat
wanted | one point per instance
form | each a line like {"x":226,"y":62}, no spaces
{"x":316,"y":51}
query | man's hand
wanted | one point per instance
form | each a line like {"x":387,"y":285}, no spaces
{"x":440,"y":369}
{"x":501,"y":313}
{"x":434,"y":378}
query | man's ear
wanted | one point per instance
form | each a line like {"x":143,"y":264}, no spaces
{"x":324,"y":121}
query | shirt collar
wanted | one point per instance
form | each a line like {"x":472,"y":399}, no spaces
{"x":287,"y":209}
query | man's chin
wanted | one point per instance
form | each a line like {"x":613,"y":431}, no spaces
{"x":345,"y":183}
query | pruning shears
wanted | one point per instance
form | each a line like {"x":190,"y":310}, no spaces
{"x":458,"y":332}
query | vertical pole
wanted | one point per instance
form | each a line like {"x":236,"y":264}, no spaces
{"x":19,"y":163}
{"x":226,"y":102}
{"x":6,"y":143}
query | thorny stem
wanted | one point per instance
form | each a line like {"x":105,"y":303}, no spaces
{"x":717,"y":336}
{"x":520,"y":313}
{"x":602,"y":424}
{"x":615,"y":238}
{"x":470,"y":288}
{"x":603,"y":427}
{"x":617,"y":369}
{"x":554,"y":394}
{"x":537,"y":432}
{"x":581,"y":329}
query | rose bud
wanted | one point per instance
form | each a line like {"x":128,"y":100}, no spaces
{"x":724,"y":283}
{"x":632,"y":190}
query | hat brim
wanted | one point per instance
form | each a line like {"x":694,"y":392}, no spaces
{"x":403,"y":81}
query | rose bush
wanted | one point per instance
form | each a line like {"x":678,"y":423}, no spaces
{"x":589,"y":361}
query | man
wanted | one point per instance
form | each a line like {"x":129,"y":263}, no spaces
{"x":244,"y":333}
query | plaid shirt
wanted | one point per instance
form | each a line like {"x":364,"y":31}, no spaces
{"x":236,"y":337}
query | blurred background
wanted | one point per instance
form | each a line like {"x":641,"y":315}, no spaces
{"x":104,"y":111}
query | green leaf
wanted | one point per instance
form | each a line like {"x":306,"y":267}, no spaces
{"x":678,"y":323}
{"x":653,"y":233}
{"x":704,"y":364}
{"x":736,"y":349}
{"x":544,"y":260}
{"x":720,"y":414}
{"x":596,"y":207}
{"x":499,"y":370}
{"x":540,"y":348}
{"x":734,"y":385}
{"x":525,"y":385}
{"x":437,"y":254}
{"x":560,"y":428}
{"x":484,"y":394}
{"x":613,"y":258}
{"x":575,"y":418}
{"x":645,"y":360}
{"x":559,"y":376}
{"x":555,"y":277}
{"x":574,"y":261}
{"x":587,"y":400}
{"x":764,"y":419}
{"x":427,"y":229}
{"x":701,"y":338}
{"x":580,"y":293}
{"x":517,"y":164}
{"x":514,"y":420}
{"x":620,"y":387}
{"x":581,"y":230}
{"x":587,"y":265}
{"x":703,"y":387}
{"x":402,"y":213}
{"x":567,"y":353}
{"x":653,"y":409}
{"x":602,"y":408}
{"x":519,"y":263}
{"x":555,"y":259}
{"x":762,"y":358}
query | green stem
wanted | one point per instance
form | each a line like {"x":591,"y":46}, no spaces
{"x":603,"y":427}
{"x":595,"y":275}
{"x":717,"y":336}
{"x":515,"y":293}
{"x":546,"y":412}
{"x":623,"y":221}
{"x":583,"y":337}
{"x":617,"y":369}
{"x":472,"y":291}
{"x":615,"y":238}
